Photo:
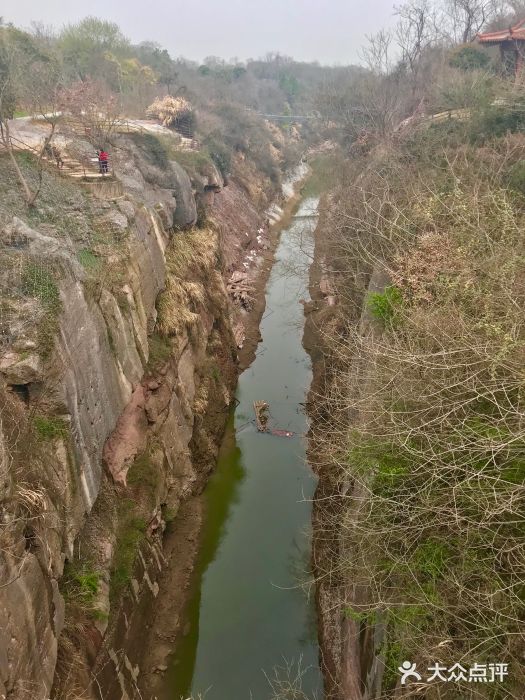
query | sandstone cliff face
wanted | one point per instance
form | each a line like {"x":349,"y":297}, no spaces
{"x":93,"y":395}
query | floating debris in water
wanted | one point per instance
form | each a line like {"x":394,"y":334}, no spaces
{"x":262,"y":417}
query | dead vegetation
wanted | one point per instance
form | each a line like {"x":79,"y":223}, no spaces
{"x":420,"y":432}
{"x":191,"y":260}
{"x":434,"y":445}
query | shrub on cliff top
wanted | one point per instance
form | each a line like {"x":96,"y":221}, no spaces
{"x":221,"y":155}
{"x":469,"y":58}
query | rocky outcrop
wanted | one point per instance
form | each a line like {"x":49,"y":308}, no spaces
{"x":186,"y":211}
{"x":157,"y":181}
{"x":30,"y":619}
{"x":21,"y":370}
{"x":31,"y":607}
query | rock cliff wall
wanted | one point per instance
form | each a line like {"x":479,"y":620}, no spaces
{"x":117,"y":368}
{"x":349,"y":650}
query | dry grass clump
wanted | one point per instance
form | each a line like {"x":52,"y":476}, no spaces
{"x":190,"y":259}
{"x":174,"y":112}
{"x":200,"y":402}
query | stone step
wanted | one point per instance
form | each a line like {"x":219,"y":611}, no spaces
{"x":89,"y":175}
{"x":70,"y":166}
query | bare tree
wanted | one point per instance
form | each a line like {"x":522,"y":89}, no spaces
{"x":367,"y":101}
{"x":30,"y":80}
{"x":93,"y":109}
{"x":415,"y":32}
{"x":377,"y":53}
{"x":467,"y":17}
{"x":12,"y":63}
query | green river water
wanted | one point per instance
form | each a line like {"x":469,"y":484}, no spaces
{"x":251,"y":610}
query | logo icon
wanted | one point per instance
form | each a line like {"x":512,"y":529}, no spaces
{"x":408,"y":671}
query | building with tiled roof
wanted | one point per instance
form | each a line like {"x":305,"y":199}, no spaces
{"x":512,"y":45}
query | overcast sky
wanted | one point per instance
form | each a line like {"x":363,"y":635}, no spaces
{"x":330,"y":31}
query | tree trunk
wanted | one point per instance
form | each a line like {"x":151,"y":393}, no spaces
{"x":29,"y":196}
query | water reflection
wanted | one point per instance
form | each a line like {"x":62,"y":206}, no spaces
{"x":222,"y":492}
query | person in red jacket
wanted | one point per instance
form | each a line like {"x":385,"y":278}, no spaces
{"x":103,"y":158}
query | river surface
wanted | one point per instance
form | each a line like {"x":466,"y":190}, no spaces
{"x":251,"y":613}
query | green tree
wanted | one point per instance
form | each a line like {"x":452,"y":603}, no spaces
{"x":158,"y":59}
{"x":87,"y":48}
